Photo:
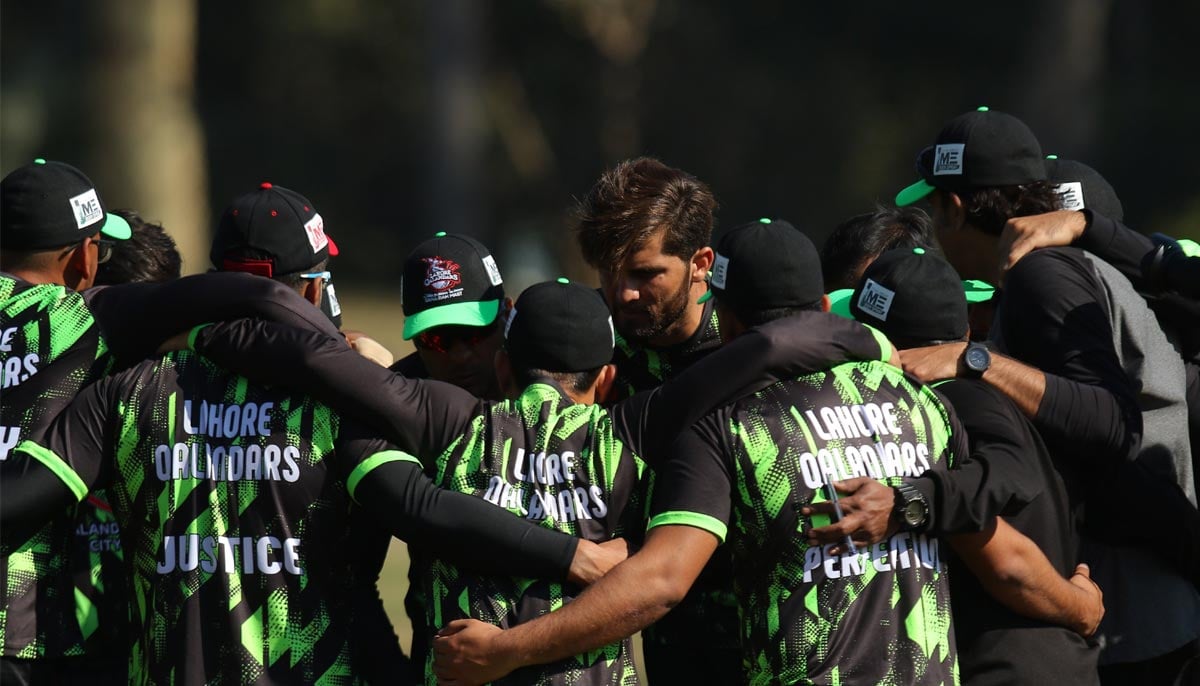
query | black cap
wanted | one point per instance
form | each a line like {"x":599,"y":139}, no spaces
{"x":1081,"y":186}
{"x":449,"y":279}
{"x":912,"y":296}
{"x":979,"y":149}
{"x":560,"y":326}
{"x":52,"y":204}
{"x":276,"y":221}
{"x":764,"y":265}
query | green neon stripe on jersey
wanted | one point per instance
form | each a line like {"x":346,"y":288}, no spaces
{"x":57,"y":465}
{"x":86,"y":614}
{"x":885,"y":346}
{"x":374,"y":461}
{"x":710,"y":524}
{"x":195,"y":332}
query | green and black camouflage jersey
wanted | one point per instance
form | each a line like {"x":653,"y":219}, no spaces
{"x":640,"y":368}
{"x":232,"y":501}
{"x":50,"y":348}
{"x":549,"y":460}
{"x":880,"y":615}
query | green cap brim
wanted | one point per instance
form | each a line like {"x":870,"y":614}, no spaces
{"x":839,"y":302}
{"x":1189,"y":247}
{"x":978,"y":291}
{"x":116,"y":228}
{"x":914,"y":193}
{"x":458,"y":314}
{"x":708,"y":295}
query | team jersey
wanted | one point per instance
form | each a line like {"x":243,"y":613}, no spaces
{"x":544,"y":458}
{"x":232,"y":500}
{"x":54,"y":587}
{"x":880,"y":615}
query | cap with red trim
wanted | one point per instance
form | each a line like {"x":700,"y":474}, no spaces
{"x":271,"y":231}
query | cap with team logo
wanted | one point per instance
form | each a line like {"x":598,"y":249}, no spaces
{"x":765,"y":265}
{"x":449,"y":279}
{"x":976,"y":291}
{"x":560,"y":326}
{"x":277,"y":222}
{"x":1083,"y":187}
{"x":912,"y":296}
{"x":52,"y":204}
{"x":980,"y":149}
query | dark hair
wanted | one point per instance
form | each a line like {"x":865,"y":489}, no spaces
{"x":988,"y":209}
{"x":862,"y":238}
{"x":149,"y":255}
{"x":757,"y":317}
{"x":578,"y":382}
{"x":635,"y":200}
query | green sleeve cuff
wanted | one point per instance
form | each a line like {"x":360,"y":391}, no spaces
{"x":196,"y":332}
{"x":374,"y":461}
{"x":885,"y":346}
{"x":57,"y":465}
{"x":710,"y":524}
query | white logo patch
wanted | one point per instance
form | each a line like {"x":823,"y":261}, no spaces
{"x":335,"y":308}
{"x":493,"y":271}
{"x":612,"y":333}
{"x":876,"y":300}
{"x":948,"y":159}
{"x":86,"y":207}
{"x":720,"y":271}
{"x":315,"y":230}
{"x":1072,"y":195}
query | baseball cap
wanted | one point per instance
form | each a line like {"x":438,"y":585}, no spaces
{"x":1083,"y":187}
{"x":764,"y":265}
{"x":975,"y":290}
{"x":979,"y":149}
{"x":912,"y":295}
{"x":47,"y":204}
{"x":449,"y":279}
{"x":274,"y":220}
{"x":560,"y":326}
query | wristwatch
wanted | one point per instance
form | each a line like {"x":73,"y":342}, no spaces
{"x":911,"y":508}
{"x":977,"y":358}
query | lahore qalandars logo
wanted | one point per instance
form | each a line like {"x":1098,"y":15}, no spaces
{"x":442,"y":280}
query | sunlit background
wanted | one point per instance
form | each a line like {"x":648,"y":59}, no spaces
{"x":400,"y":119}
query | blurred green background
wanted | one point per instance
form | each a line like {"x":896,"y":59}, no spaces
{"x":399,"y":119}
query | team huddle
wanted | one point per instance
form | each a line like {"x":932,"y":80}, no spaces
{"x":891,"y":460}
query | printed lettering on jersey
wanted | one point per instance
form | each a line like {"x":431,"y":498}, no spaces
{"x":876,"y":300}
{"x":864,"y":440}
{"x":212,"y":554}
{"x":442,"y":280}
{"x":314,"y":229}
{"x":493,"y":271}
{"x":900,"y":552}
{"x":948,"y":159}
{"x":220,"y":460}
{"x":86,"y":207}
{"x":539,"y":486}
{"x":1071,"y":193}
{"x":17,"y":368}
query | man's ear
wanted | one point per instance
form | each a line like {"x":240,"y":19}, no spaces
{"x":702,"y":261}
{"x":504,"y":374}
{"x":79,"y":268}
{"x":604,"y":384}
{"x":956,"y":214}
{"x":314,"y":289}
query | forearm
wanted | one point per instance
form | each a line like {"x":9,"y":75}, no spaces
{"x":1017,"y":574}
{"x":1023,"y":384}
{"x":30,"y":496}
{"x":1116,"y":244}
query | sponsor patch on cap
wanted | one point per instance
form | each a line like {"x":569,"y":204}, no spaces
{"x":493,"y":271}
{"x":335,"y":308}
{"x":720,"y":271}
{"x":1071,"y":193}
{"x":315,"y":230}
{"x":948,"y":159}
{"x":612,"y":333}
{"x":442,"y":280}
{"x":876,"y":300}
{"x":86,"y":207}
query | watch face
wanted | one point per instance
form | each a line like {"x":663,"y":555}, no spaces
{"x":914,"y":513}
{"x":978,"y":359}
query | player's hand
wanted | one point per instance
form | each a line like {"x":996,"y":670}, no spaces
{"x":1093,"y":601}
{"x":177,"y":342}
{"x":867,"y":514}
{"x":593,"y":561}
{"x":934,"y":362}
{"x":369,"y":348}
{"x":1022,"y":235}
{"x":465,"y":653}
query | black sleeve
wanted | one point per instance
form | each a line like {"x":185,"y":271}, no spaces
{"x":785,"y":348}
{"x":57,"y":465}
{"x":1116,"y":244}
{"x":993,"y":474}
{"x":410,"y":366}
{"x":421,"y":417}
{"x":137,"y":318}
{"x":376,"y":647}
{"x":461,"y":528}
{"x":1055,"y":320}
{"x":694,"y":482}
